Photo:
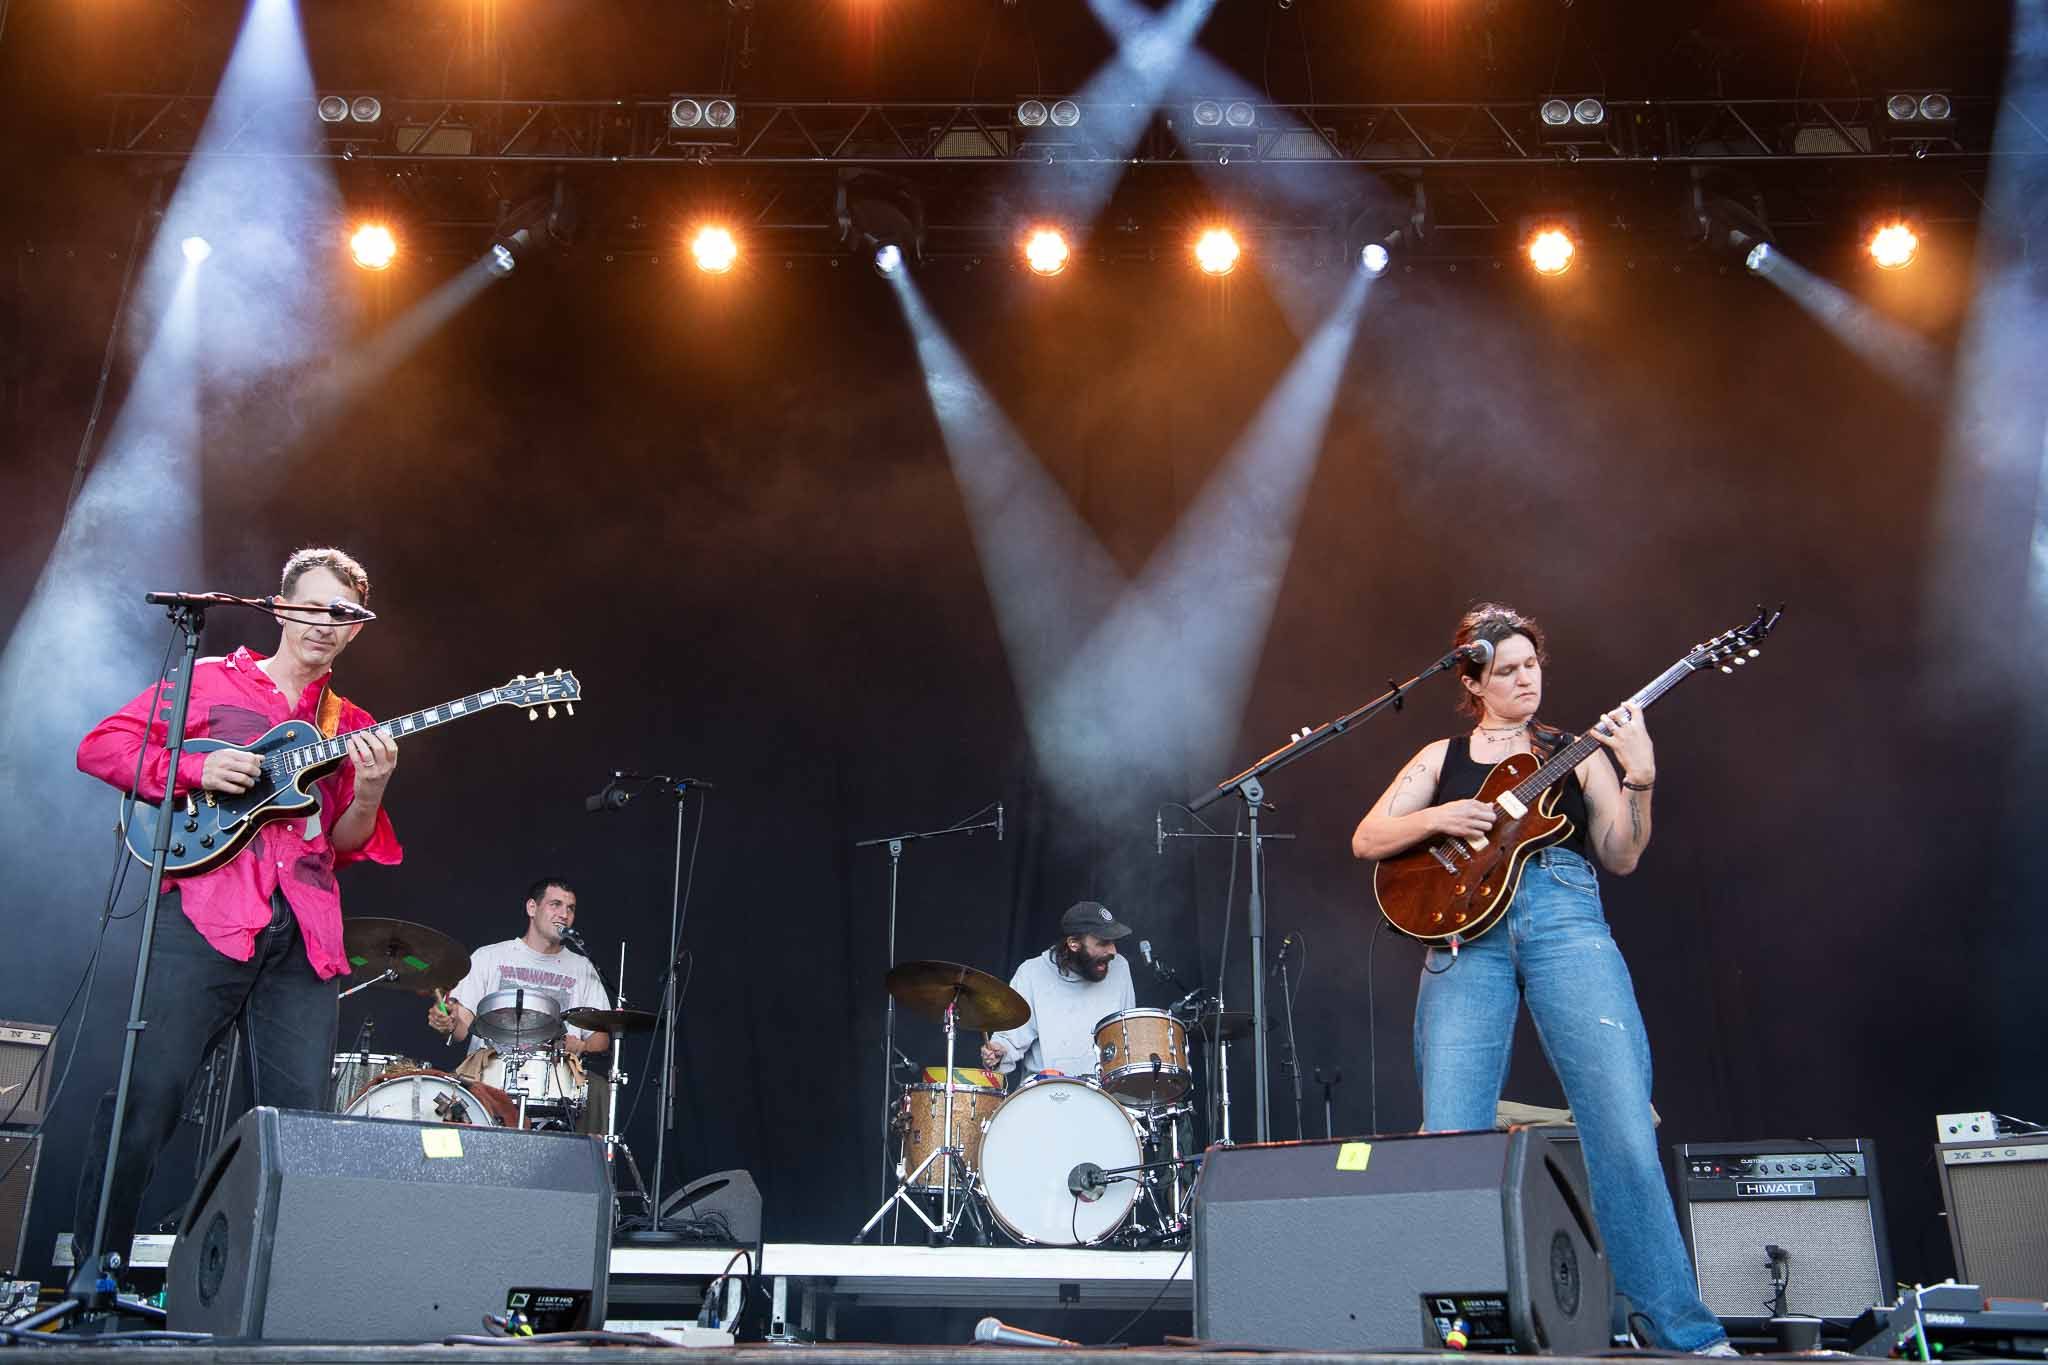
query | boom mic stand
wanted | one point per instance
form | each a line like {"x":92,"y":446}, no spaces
{"x":614,"y":797}
{"x":895,"y":844}
{"x":1250,"y":788}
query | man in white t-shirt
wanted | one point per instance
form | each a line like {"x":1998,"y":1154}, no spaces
{"x":535,"y":960}
{"x":1070,"y":987}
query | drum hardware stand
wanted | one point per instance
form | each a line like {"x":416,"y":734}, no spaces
{"x":955,"y":1163}
{"x":616,"y":796}
{"x":1329,"y":1107}
{"x":895,"y":843}
{"x":1248,"y":787}
{"x":1292,"y":1064}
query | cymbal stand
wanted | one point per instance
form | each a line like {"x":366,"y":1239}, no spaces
{"x":953,"y":1155}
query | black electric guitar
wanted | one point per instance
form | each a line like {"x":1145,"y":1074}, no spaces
{"x":208,"y":828}
{"x":1457,"y":889}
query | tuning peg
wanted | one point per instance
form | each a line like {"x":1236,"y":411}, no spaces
{"x":1756,"y":653}
{"x":518,"y":677}
{"x":1726,"y":668}
{"x":558,"y":672}
{"x":551,"y":713}
{"x":570,"y":707}
{"x":532,"y":713}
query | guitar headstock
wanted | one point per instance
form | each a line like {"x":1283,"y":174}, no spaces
{"x":1737,"y":646}
{"x":542,"y":690}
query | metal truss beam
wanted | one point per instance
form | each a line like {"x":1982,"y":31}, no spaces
{"x":1421,"y":135}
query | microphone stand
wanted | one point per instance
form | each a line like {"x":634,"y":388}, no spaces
{"x":655,"y":1234}
{"x":895,"y":843}
{"x":1249,"y":787}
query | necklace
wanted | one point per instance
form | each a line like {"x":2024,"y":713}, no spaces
{"x":1504,"y":730}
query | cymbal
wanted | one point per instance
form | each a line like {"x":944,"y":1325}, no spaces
{"x":425,"y":959}
{"x":609,"y":1021}
{"x":928,"y":987}
{"x":519,"y":1017}
{"x":1227,"y":1027}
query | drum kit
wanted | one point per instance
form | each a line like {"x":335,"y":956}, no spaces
{"x":1061,"y":1160}
{"x":521,"y":1077}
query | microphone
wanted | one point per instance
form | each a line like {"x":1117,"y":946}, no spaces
{"x":999,"y":822}
{"x":574,"y":942}
{"x":1158,"y":843}
{"x":1478,"y":652}
{"x":611,"y":798}
{"x":344,"y":610}
{"x":996,"y":1332}
{"x":1281,"y":956}
{"x":1086,"y":1182}
{"x":1145,"y":951}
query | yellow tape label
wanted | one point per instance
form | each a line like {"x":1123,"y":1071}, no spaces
{"x":1354,"y":1156}
{"x":441,"y":1142}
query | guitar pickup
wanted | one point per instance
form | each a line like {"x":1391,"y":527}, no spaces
{"x":1508,"y":802}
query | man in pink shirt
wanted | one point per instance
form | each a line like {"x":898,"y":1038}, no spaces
{"x":256,"y":939}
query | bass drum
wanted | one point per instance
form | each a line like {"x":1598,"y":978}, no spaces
{"x":1030,"y":1149}
{"x":434,"y":1097}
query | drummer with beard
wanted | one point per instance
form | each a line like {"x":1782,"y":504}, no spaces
{"x":1071,"y":987}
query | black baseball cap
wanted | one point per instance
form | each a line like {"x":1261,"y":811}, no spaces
{"x":1092,"y":917}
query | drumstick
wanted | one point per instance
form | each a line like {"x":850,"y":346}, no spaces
{"x":441,"y":1004}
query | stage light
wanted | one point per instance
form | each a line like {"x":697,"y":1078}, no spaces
{"x":1031,"y":113}
{"x":1208,"y":114}
{"x":1759,"y":257}
{"x":373,"y":246}
{"x":720,"y":113}
{"x":1045,"y":251}
{"x":880,"y":219}
{"x":888,"y":259}
{"x":1065,"y":113}
{"x":366,"y":109}
{"x":196,"y":249}
{"x":1239,"y":114}
{"x":1374,"y":258}
{"x":502,"y":259}
{"x":332,"y":109}
{"x":1588,"y":112}
{"x":714,"y":249}
{"x":1384,"y":228}
{"x":1216,"y":251}
{"x":1902,"y":107}
{"x":1893,"y":246}
{"x":1551,"y":251}
{"x":1936,"y":107}
{"x":685,"y":114}
{"x":1556,"y":113}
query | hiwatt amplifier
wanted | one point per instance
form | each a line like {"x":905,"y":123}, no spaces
{"x":327,"y":1227}
{"x":1815,"y":1200}
{"x":1996,"y":1194}
{"x":1477,"y":1240}
{"x":25,"y":1065}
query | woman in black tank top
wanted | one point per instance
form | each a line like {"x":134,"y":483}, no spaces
{"x":1553,"y":952}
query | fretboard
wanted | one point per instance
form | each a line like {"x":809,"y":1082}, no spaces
{"x":325,"y":751}
{"x":1582,"y":748}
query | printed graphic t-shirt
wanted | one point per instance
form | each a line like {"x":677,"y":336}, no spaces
{"x":570,"y":979}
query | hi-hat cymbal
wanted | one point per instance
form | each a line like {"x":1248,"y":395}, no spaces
{"x":1227,"y":1027}
{"x":425,"y":959}
{"x":983,"y":1001}
{"x":609,"y":1021}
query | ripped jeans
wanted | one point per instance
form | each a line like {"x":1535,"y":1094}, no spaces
{"x":1554,"y":950}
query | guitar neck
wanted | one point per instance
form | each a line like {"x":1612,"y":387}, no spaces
{"x":1582,"y":748}
{"x":333,"y":750}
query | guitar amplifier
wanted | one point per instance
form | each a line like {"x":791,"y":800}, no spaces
{"x":1817,"y":1200}
{"x":1996,"y":1194}
{"x":25,"y":1065}
{"x":18,"y":1156}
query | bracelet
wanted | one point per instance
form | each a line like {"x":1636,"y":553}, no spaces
{"x":1638,"y":786}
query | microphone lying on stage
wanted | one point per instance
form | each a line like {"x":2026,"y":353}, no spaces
{"x":996,"y":1332}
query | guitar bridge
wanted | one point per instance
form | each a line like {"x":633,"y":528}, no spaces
{"x":1442,"y":854}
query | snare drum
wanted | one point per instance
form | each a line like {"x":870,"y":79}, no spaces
{"x":923,"y":1121}
{"x":1029,"y":1153}
{"x":432,"y":1097}
{"x":550,"y":1081}
{"x":353,"y":1072}
{"x":1144,"y":1057}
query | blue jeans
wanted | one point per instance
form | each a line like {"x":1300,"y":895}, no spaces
{"x":1554,"y":951}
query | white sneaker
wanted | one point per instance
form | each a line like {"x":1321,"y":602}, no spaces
{"x":1716,"y":1348}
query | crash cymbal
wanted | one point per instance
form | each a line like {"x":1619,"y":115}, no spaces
{"x":425,"y":959}
{"x":1227,"y":1027}
{"x":609,"y":1021}
{"x":928,"y":987}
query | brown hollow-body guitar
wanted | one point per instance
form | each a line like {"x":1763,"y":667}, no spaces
{"x":1449,"y":890}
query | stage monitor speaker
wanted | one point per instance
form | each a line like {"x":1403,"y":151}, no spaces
{"x":728,"y":1203}
{"x":1399,"y":1243}
{"x":1996,"y":1194}
{"x":25,"y":1065}
{"x":325,"y":1227}
{"x":1818,"y":1200}
{"x":19,"y":1153}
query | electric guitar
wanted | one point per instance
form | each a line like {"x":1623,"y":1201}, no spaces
{"x":1453,"y":890}
{"x":208,"y":828}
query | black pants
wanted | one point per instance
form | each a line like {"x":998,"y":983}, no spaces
{"x":195,"y":994}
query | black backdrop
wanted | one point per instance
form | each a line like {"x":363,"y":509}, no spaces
{"x":730,"y":510}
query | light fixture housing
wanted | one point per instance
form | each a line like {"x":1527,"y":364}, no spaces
{"x":1065,"y":113}
{"x":880,"y":218}
{"x":1031,"y":114}
{"x":1893,"y":243}
{"x":1217,"y":251}
{"x":1551,"y":242}
{"x":332,"y":109}
{"x":1046,"y":251}
{"x":373,"y":246}
{"x":366,"y":109}
{"x":714,"y":249}
{"x":1572,"y":120}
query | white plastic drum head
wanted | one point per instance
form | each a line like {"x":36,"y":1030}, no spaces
{"x":1032,"y":1146}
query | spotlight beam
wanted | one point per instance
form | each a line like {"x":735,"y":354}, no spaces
{"x":1893,"y":351}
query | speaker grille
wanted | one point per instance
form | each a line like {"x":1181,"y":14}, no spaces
{"x":23,"y":1083}
{"x":15,"y":1192}
{"x":1832,"y":1244}
{"x":2000,"y":1214}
